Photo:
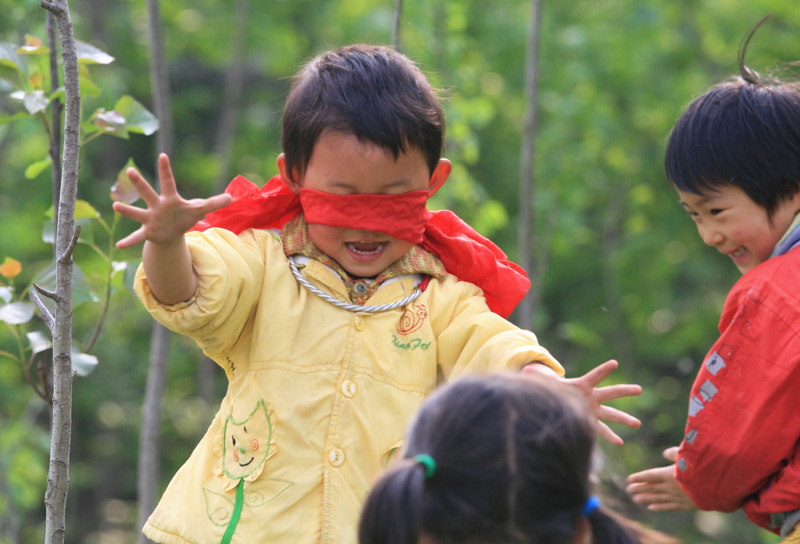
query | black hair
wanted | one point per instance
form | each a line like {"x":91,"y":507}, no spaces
{"x":743,"y":132}
{"x":371,"y":91}
{"x":513,"y":457}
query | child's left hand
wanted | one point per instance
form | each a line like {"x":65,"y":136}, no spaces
{"x":598,"y":395}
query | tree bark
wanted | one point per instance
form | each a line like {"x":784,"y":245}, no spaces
{"x":61,"y":432}
{"x":527,"y":184}
{"x":398,"y":12}
{"x":55,"y":121}
{"x":149,"y":454}
{"x":232,"y":93}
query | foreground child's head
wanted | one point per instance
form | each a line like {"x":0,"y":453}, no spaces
{"x":502,"y":458}
{"x":362,"y":120}
{"x":734,"y":157}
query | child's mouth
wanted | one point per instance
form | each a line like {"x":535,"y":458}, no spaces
{"x":739,"y":252}
{"x":365,"y":249}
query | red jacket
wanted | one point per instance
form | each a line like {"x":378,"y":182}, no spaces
{"x":742,"y":436}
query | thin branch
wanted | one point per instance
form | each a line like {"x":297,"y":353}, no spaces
{"x":47,"y":317}
{"x":55,"y":9}
{"x":56,"y":110}
{"x":45,"y":292}
{"x":527,"y":182}
{"x":43,"y":393}
{"x":66,"y":256}
{"x":397,"y":16}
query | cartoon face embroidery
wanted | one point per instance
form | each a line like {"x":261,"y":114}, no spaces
{"x":246,"y":444}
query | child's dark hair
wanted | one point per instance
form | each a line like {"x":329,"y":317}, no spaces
{"x":513,"y":456}
{"x":743,"y":132}
{"x":371,"y":91}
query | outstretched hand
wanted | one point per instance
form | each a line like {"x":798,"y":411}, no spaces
{"x":597,"y":396}
{"x":168,"y":216}
{"x":658,"y":489}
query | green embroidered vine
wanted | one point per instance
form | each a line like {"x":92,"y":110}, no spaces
{"x":237,"y":512}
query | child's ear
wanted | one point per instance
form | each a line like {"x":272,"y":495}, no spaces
{"x":287,"y":180}
{"x":439,"y":176}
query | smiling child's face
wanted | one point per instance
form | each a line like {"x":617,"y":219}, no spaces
{"x":735,"y":225}
{"x":342,"y":165}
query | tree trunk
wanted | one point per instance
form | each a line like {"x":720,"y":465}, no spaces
{"x":149,"y":454}
{"x":528,"y":247}
{"x":61,"y":326}
{"x":398,"y":12}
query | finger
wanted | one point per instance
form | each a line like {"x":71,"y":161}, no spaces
{"x":601,"y":372}
{"x":165,"y":177}
{"x":606,"y":432}
{"x":216,"y":202}
{"x":642,"y":488}
{"x":612,"y":392}
{"x":669,"y":507}
{"x":131,"y":212}
{"x":136,"y":237}
{"x":671,"y":454}
{"x":145,"y":190}
{"x":650,"y":475}
{"x":608,"y":413}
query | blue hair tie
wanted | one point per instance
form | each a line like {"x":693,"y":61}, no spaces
{"x":428,"y":463}
{"x":591,"y":504}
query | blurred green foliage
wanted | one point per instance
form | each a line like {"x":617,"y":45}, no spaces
{"x":627,"y":277}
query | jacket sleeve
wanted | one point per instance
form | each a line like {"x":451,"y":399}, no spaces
{"x":743,"y":429}
{"x":230,"y":272}
{"x":470,"y":338}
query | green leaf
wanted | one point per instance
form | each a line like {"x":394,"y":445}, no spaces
{"x":12,"y":118}
{"x":34,"y":101}
{"x":123,"y":190}
{"x":36,"y":168}
{"x":84,"y":210}
{"x":83,"y":364}
{"x":9,"y":57}
{"x":110,"y":122}
{"x":16,"y":313}
{"x":137,"y":118}
{"x":57,"y":94}
{"x":48,"y":236}
{"x":33,"y":46}
{"x":89,"y":54}
{"x":80,"y":288}
{"x":38,"y":342}
{"x":88,"y":87}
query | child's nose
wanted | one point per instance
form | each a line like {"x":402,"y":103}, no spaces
{"x":710,"y":234}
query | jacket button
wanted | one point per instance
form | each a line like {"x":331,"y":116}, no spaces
{"x":349,"y":389}
{"x":360,"y":288}
{"x":358,"y":323}
{"x":336,"y":457}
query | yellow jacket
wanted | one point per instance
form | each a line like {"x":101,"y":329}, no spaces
{"x":318,"y":397}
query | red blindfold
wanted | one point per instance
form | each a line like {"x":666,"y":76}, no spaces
{"x":464,"y":253}
{"x":402,"y":216}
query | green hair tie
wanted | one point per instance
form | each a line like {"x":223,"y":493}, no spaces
{"x":426,"y":461}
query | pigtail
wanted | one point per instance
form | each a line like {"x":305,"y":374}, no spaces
{"x":393,"y":511}
{"x":748,"y":74}
{"x":608,"y":527}
{"x":608,"y":530}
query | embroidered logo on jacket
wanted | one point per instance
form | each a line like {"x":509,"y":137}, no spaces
{"x":412,"y":319}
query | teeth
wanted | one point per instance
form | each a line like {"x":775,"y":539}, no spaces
{"x":375,"y":247}
{"x":739,"y":252}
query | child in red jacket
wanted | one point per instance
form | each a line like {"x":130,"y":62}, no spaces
{"x":734,"y":159}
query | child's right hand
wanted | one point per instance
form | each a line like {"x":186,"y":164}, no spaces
{"x":658,"y":489}
{"x":168,"y":216}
